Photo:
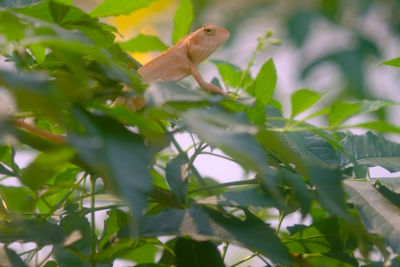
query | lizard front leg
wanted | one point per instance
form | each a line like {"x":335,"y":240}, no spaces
{"x":208,"y":86}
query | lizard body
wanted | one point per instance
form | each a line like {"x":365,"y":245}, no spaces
{"x":180,"y":61}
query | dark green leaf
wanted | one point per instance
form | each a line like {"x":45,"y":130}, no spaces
{"x":201,"y":222}
{"x":117,"y":155}
{"x":33,"y":230}
{"x":379,"y":214}
{"x":249,"y":196}
{"x":302,"y":100}
{"x":51,"y":264}
{"x":8,"y":257}
{"x":143,"y":43}
{"x":265,"y":82}
{"x":197,"y":254}
{"x":371,"y":150}
{"x":177,"y":173}
{"x":393,"y":62}
{"x":325,"y":177}
{"x":6,"y":171}
{"x":299,"y":188}
{"x":118,"y":7}
{"x":77,"y":226}
{"x":182,"y":19}
{"x":299,"y":25}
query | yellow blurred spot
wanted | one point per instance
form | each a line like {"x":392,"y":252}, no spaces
{"x":145,"y":19}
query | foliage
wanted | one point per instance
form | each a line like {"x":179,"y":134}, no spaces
{"x":67,"y":69}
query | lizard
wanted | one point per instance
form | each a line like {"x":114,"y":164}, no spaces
{"x":180,"y":61}
{"x":174,"y":64}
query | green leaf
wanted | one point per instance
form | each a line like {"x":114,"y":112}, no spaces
{"x":177,"y":173}
{"x":141,"y":254}
{"x":342,"y":111}
{"x":371,"y":150}
{"x":115,"y":154}
{"x":143,"y":43}
{"x":118,"y":7}
{"x":320,"y":237}
{"x":38,"y":51}
{"x":302,"y":100}
{"x":44,"y":167}
{"x":393,"y":62}
{"x":379,"y":126}
{"x":231,"y":74}
{"x":249,"y":196}
{"x":197,"y":254}
{"x":206,"y":223}
{"x":17,"y":198}
{"x":182,"y":20}
{"x":59,"y":9}
{"x":378,"y":213}
{"x":326,"y":177}
{"x":265,"y":82}
{"x":78,"y":227}
{"x":116,"y":221}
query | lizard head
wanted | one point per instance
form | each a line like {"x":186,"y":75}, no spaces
{"x":203,"y":42}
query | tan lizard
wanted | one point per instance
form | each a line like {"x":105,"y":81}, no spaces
{"x":180,"y":61}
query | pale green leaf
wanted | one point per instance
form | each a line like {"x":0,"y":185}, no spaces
{"x":380,"y":126}
{"x":143,"y":43}
{"x":182,"y":20}
{"x":232,"y":75}
{"x":342,"y":111}
{"x":265,"y":82}
{"x":393,"y":62}
{"x":118,"y":7}
{"x":302,"y":100}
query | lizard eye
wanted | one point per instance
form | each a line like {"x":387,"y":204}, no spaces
{"x":209,"y":31}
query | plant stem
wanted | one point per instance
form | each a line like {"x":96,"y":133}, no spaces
{"x":92,"y":217}
{"x":260,"y":46}
{"x":224,"y":250}
{"x":180,"y":150}
{"x":245,"y":182}
{"x":245,"y":259}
